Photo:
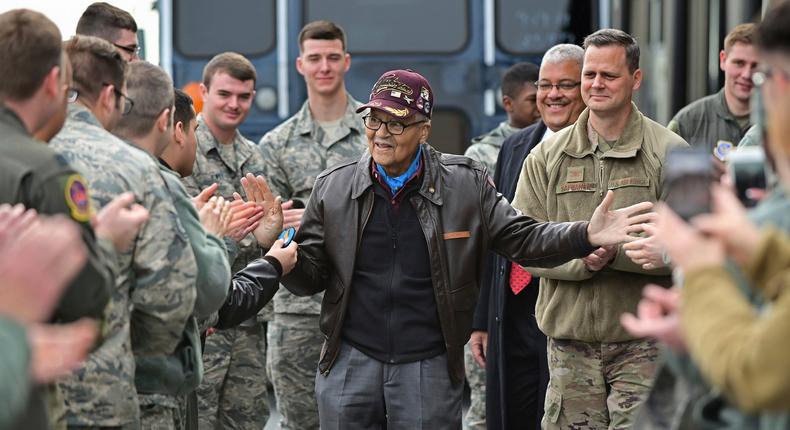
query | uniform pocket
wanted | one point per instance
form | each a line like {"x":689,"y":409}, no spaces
{"x":553,"y":406}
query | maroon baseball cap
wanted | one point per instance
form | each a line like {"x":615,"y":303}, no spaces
{"x":401,"y":93}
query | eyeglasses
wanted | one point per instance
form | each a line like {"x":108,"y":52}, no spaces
{"x":393,"y":127}
{"x":131,"y":49}
{"x":72,"y":94}
{"x":128,"y":103}
{"x":759,"y":78}
{"x":561,"y":86}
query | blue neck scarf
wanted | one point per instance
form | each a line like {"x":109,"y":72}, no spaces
{"x":397,"y":182}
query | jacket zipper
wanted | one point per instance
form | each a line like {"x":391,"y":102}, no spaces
{"x":601,"y":178}
{"x":359,"y":243}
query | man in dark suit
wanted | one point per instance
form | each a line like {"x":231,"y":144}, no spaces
{"x":506,"y":340}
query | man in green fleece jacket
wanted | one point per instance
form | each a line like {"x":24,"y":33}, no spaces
{"x":598,"y":373}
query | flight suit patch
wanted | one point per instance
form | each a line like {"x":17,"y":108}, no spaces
{"x":77,"y":198}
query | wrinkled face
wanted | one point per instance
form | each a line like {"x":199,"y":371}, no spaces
{"x":323,"y":63}
{"x":395,"y":152}
{"x":561,"y":105}
{"x":607,"y":84}
{"x":522,"y":109}
{"x":227,"y":101}
{"x":738,"y":66}
{"x":127,"y":44}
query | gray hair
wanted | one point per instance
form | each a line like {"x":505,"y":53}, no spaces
{"x":152,"y":92}
{"x":564,"y":52}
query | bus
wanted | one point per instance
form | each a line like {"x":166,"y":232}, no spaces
{"x":462,"y":47}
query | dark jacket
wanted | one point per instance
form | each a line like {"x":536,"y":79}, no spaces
{"x":462,"y":215}
{"x":251,"y":288}
{"x":491,"y":308}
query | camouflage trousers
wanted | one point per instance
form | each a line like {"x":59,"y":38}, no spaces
{"x":597,"y":385}
{"x":160,"y":412}
{"x":233,"y":392}
{"x":294,"y":347}
{"x":475,"y":418}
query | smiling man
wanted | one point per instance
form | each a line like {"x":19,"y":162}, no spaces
{"x":507,"y":341}
{"x":720,"y":121}
{"x":598,"y":373}
{"x":233,"y":392}
{"x":396,"y":238}
{"x":324,"y":132}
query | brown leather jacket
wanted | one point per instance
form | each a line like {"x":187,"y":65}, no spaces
{"x":462,"y":215}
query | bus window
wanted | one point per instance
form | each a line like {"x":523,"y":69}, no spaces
{"x":449,"y":131}
{"x":530,"y":27}
{"x":204,"y":28}
{"x":403,"y":27}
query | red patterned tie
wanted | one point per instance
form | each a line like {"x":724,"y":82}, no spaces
{"x":519,"y":278}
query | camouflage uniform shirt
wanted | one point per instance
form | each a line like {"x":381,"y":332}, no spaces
{"x":485,"y":148}
{"x":226,"y":165}
{"x":295,"y":153}
{"x":154,"y":290}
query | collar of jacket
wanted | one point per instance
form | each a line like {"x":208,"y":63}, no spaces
{"x":431,"y":183}
{"x":80,"y":112}
{"x":628,"y":144}
{"x":243,"y":153}
{"x":722,"y":110}
{"x":305,"y":124}
{"x":9,"y":117}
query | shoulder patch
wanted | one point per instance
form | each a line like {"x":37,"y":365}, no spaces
{"x":77,"y":198}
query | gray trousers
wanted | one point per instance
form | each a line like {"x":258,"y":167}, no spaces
{"x":363,"y":393}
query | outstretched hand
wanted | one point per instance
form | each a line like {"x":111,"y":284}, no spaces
{"x":38,"y":257}
{"x":614,"y":227}
{"x":657,"y":317}
{"x":271,"y":224}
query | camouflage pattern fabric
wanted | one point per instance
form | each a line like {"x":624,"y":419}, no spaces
{"x":155,"y":415}
{"x":154,"y":292}
{"x":237,"y":386}
{"x":234,"y":384}
{"x":485,"y":148}
{"x":475,"y":418}
{"x":295,"y":153}
{"x":597,"y":385}
{"x":293,"y":368}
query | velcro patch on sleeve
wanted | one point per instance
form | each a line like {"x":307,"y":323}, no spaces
{"x":77,"y":198}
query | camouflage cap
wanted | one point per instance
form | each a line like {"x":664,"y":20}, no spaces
{"x":401,"y":93}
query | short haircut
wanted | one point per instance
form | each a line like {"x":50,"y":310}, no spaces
{"x":613,"y":36}
{"x":773,"y":33}
{"x":564,"y":52}
{"x":183,"y":108}
{"x":105,"y":21}
{"x":152,"y":92}
{"x":518,"y":75}
{"x":322,"y":30}
{"x":232,"y":63}
{"x":30,"y":46}
{"x":742,"y":33}
{"x":94,"y":63}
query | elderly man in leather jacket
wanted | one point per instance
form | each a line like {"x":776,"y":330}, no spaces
{"x":397,"y":240}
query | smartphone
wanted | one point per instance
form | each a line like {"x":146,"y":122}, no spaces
{"x":688,"y":175}
{"x":746,"y":167}
{"x":287,"y":236}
